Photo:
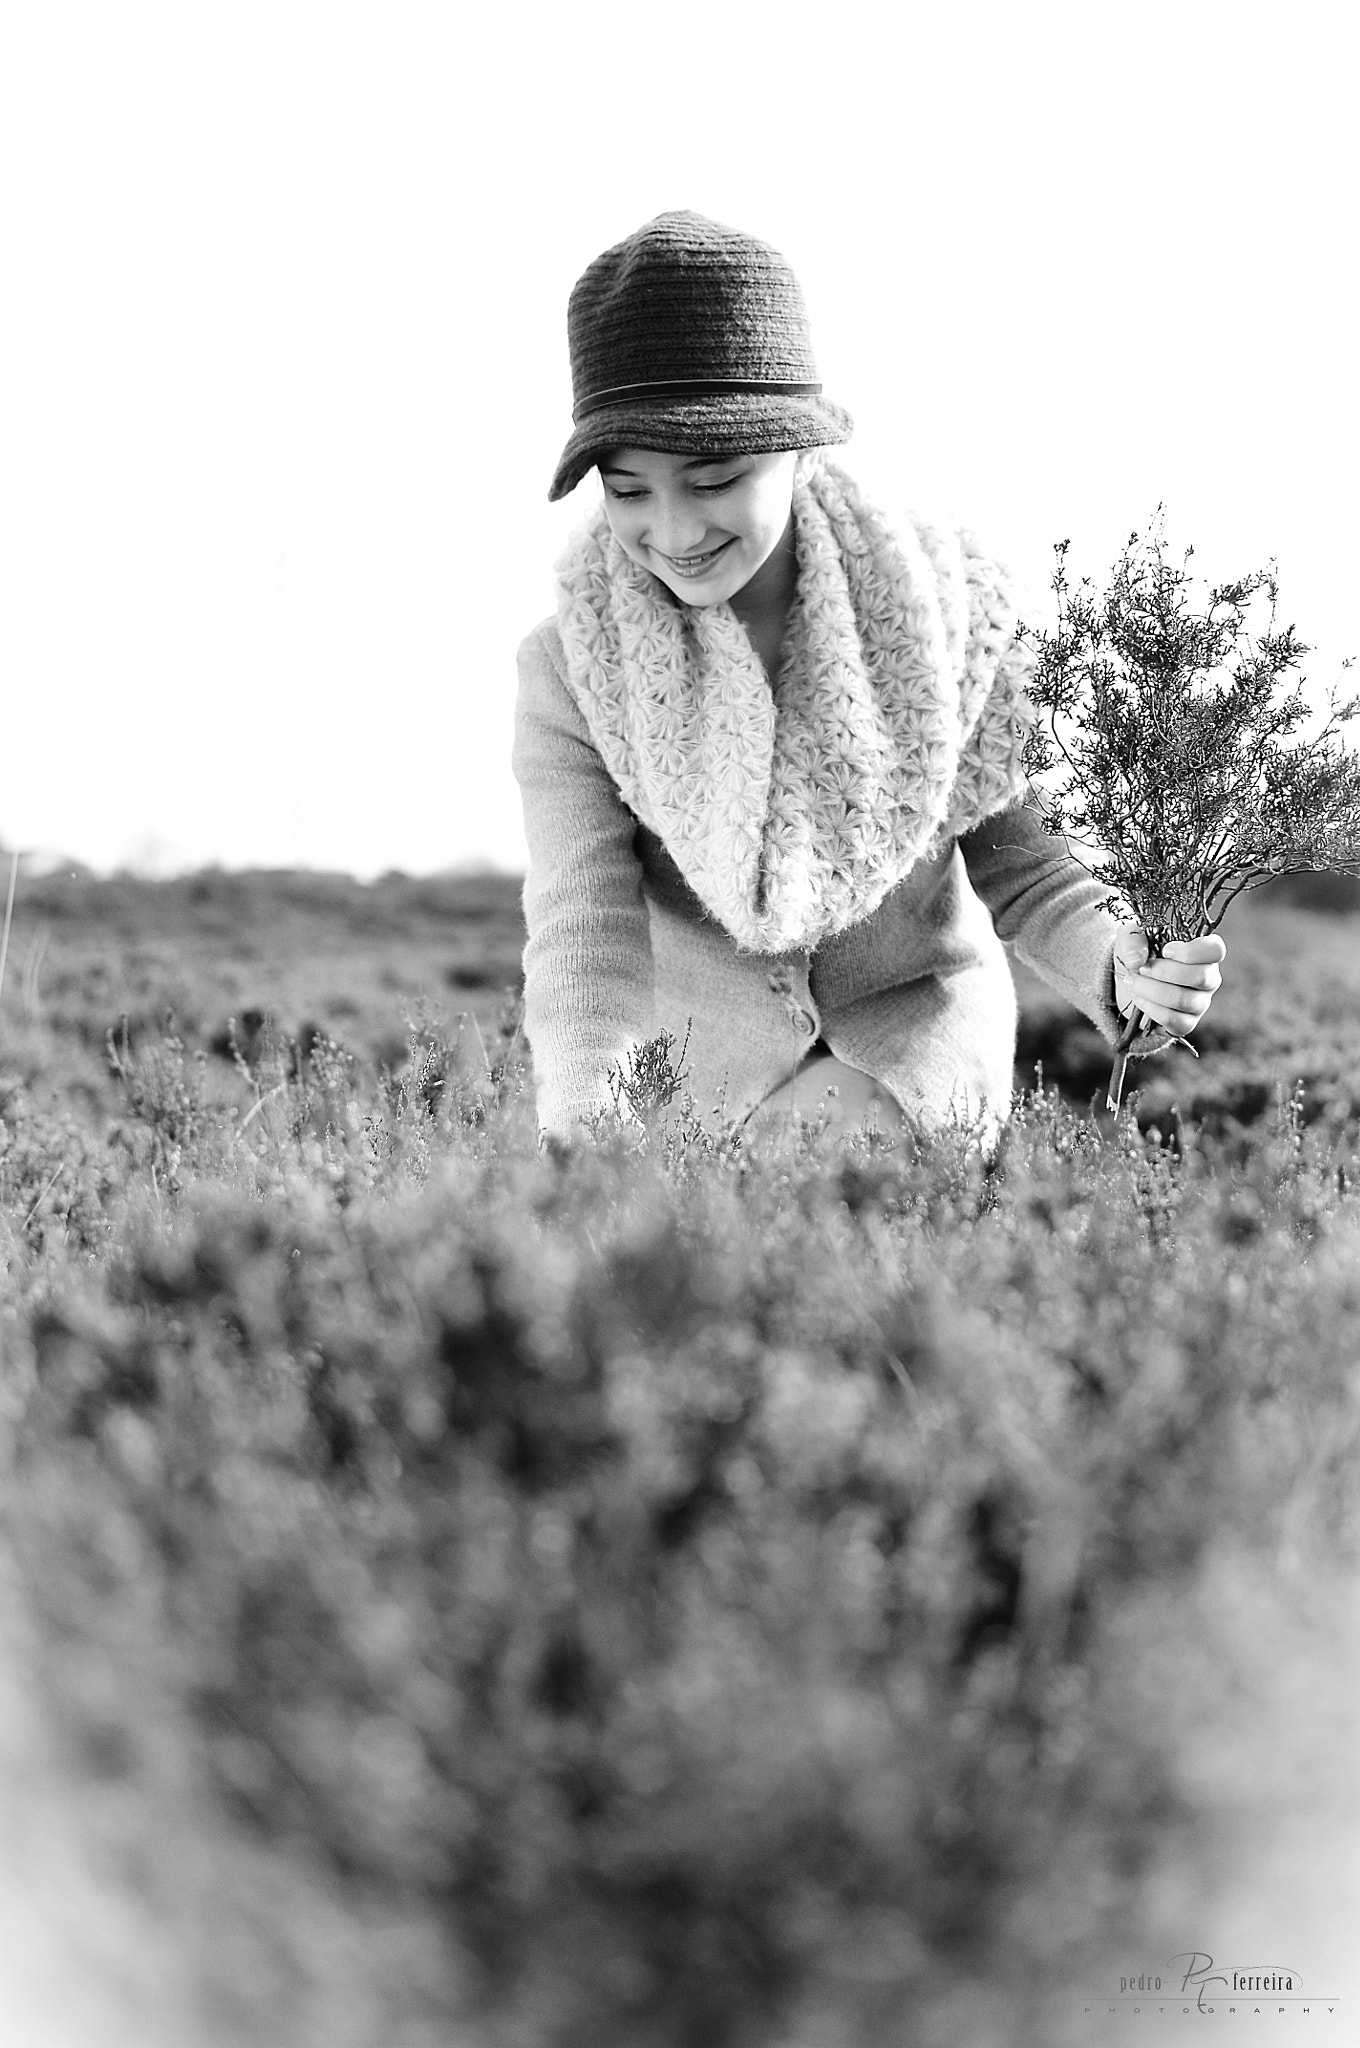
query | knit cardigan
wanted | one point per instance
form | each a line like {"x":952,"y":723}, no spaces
{"x":918,"y":994}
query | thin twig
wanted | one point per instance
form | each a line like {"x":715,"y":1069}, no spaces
{"x":469,"y":1021}
{"x":904,"y":1379}
{"x":9,"y":913}
{"x":1115,"y":1093}
{"x":37,"y":953}
{"x":47,"y":1186}
{"x":251,"y":1114}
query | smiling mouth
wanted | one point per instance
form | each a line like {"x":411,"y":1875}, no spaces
{"x":695,"y":565}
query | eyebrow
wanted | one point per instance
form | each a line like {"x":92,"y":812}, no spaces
{"x":694,"y":462}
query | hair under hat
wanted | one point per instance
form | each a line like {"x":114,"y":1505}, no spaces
{"x":692,"y":338}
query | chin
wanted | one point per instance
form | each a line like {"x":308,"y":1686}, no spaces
{"x":689,"y":593}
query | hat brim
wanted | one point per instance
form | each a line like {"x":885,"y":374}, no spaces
{"x":736,"y":423}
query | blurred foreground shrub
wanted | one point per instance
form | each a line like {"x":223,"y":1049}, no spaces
{"x":718,"y":1591}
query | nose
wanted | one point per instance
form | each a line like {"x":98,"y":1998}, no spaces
{"x":678,"y":527}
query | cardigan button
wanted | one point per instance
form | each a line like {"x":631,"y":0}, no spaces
{"x":806,"y":1023}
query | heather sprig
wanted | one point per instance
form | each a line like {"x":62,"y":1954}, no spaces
{"x":1167,"y":747}
{"x":650,"y":1079}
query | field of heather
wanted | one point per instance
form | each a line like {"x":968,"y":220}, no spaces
{"x":658,"y":1593}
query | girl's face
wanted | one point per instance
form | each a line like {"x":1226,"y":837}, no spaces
{"x":705,"y":524}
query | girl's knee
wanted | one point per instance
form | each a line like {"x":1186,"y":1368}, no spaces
{"x":856,"y":1100}
{"x":826,"y":1091}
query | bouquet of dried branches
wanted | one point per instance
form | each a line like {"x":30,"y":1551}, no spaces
{"x":1168,"y":747}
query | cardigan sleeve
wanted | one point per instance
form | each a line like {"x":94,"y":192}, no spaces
{"x":1045,"y":905}
{"x":588,"y":957}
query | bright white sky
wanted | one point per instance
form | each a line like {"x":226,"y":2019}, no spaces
{"x":283,"y":369}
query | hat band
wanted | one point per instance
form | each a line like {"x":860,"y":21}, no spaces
{"x":691,"y":387}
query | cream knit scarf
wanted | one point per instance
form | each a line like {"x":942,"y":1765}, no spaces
{"x":896,"y":722}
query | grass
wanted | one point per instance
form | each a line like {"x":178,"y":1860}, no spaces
{"x":469,"y":1595}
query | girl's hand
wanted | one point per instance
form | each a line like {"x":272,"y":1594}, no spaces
{"x":1176,"y":988}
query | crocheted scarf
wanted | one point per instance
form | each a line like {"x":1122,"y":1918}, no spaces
{"x":896,"y":720}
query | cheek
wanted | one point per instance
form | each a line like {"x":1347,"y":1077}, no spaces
{"x":775,"y":508}
{"x":621,"y":526}
{"x":776,"y":519}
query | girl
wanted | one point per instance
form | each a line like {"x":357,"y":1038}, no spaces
{"x":769,"y":748}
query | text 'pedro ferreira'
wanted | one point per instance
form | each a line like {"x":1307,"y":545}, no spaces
{"x":1193,"y":1976}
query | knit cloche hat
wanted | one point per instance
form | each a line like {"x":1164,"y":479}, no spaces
{"x":692,"y":338}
